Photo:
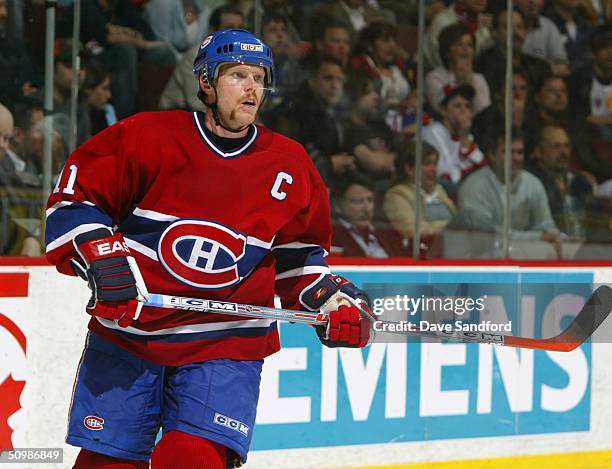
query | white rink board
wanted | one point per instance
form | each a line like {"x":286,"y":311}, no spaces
{"x":54,"y":323}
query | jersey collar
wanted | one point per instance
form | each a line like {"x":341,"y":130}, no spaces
{"x":199,"y":123}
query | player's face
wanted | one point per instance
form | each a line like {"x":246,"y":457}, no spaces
{"x":240,"y":89}
{"x":357,"y":206}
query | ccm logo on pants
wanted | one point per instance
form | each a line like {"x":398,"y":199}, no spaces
{"x":228,"y":422}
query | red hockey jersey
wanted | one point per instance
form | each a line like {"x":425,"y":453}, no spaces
{"x":233,"y":226}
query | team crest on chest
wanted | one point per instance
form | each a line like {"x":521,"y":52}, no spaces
{"x":201,"y":253}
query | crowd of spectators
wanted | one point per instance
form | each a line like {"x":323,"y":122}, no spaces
{"x":346,"y":90}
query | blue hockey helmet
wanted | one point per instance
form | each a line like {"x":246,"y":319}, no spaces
{"x":232,"y":45}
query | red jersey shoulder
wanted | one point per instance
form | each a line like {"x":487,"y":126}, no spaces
{"x":290,"y":150}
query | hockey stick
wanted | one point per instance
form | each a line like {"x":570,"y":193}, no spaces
{"x":593,"y":313}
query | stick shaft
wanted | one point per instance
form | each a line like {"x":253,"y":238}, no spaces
{"x":595,"y":311}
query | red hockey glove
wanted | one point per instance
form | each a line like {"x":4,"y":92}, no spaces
{"x":117,"y":287}
{"x":348,"y":307}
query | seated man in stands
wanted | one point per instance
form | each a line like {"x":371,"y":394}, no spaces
{"x":482,"y":196}
{"x":18,"y":202}
{"x":354,"y":233}
{"x":368,"y":137}
{"x":569,"y":194}
{"x":315,"y":115}
{"x":590,"y":89}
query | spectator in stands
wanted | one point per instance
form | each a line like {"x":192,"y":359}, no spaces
{"x":467,"y":12}
{"x":552,"y":108}
{"x":378,"y":56}
{"x":550,"y":105}
{"x":332,"y":39}
{"x":10,"y":163}
{"x":543,"y":39}
{"x":13,"y":194}
{"x":591,"y":85}
{"x":62,"y":88}
{"x":437,"y":208}
{"x":481,"y":196}
{"x":356,"y":14}
{"x":181,"y":90}
{"x":367,"y":136}
{"x":97,"y":94}
{"x":569,"y":194}
{"x":27,"y":112}
{"x":288,"y":73}
{"x":452,"y":138}
{"x":118,"y":35}
{"x":169,"y":24}
{"x":596,"y":12}
{"x":354,"y":233}
{"x":16,"y":71}
{"x":457,"y":55}
{"x":407,"y":11}
{"x":496,"y":112}
{"x":574,"y":29}
{"x":316,"y":118}
{"x":491,"y":62}
{"x":33,"y":147}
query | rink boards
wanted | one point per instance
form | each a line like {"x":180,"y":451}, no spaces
{"x":390,"y":404}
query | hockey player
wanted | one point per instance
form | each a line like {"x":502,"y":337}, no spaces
{"x":193,"y":204}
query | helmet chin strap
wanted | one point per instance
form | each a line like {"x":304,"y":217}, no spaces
{"x":217,"y":117}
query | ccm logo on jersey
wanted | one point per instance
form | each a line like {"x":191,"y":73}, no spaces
{"x":94,"y":423}
{"x":202,"y":253}
{"x":228,"y":422}
{"x":251,"y":47}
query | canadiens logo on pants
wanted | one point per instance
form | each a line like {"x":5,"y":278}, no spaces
{"x":202,"y":253}
{"x":234,"y":424}
{"x":93,"y":422}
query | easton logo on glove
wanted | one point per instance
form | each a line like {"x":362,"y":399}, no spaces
{"x":117,"y":246}
{"x":117,"y":287}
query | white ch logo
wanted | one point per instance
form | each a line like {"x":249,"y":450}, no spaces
{"x":280,"y":178}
